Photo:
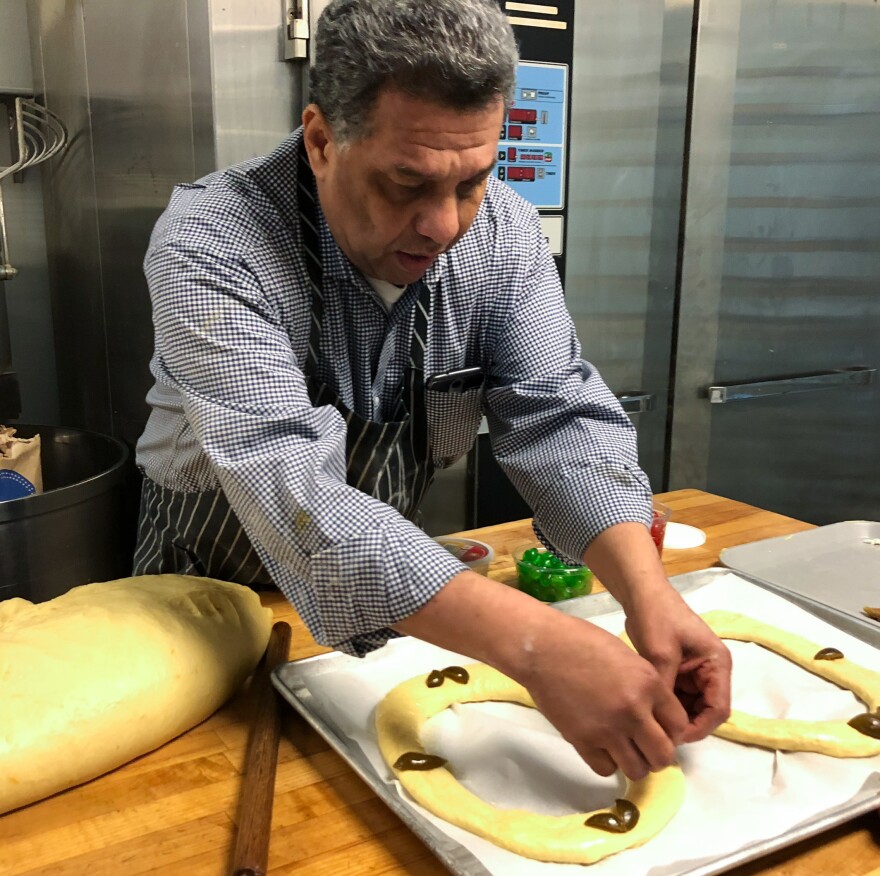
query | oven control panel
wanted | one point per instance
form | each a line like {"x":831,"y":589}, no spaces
{"x":531,"y":149}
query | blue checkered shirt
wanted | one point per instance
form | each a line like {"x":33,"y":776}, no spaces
{"x":231,"y":304}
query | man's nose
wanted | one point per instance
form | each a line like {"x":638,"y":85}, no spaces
{"x":439,"y":220}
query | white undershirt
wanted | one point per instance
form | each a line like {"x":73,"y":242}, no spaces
{"x":388,"y":292}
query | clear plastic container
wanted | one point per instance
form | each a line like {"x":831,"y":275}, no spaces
{"x":544,"y":576}
{"x":662,"y":513}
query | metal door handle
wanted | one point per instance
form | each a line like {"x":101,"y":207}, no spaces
{"x":855,"y":376}
{"x":636,"y":402}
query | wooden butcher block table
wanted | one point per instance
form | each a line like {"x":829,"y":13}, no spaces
{"x":173,"y":811}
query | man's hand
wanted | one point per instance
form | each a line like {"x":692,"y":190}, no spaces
{"x":688,"y":656}
{"x":611,"y":704}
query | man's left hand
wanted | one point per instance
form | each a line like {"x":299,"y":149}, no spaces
{"x":692,"y":660}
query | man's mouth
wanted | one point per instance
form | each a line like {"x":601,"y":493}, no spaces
{"x":415,"y":260}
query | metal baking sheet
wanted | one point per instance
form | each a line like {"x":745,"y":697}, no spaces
{"x":833,"y":571}
{"x":292,"y":682}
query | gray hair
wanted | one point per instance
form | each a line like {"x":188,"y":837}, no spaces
{"x":458,"y":53}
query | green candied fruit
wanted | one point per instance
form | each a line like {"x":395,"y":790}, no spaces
{"x":548,"y":593}
{"x":558,"y":587}
{"x":529,"y":587}
{"x":533,"y":588}
{"x":527,"y":572}
{"x":531,"y":555}
{"x":542,"y":575}
{"x":581,"y":587}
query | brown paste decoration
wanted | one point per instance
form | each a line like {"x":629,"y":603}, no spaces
{"x":454,"y":673}
{"x":828,"y":654}
{"x":623,"y":818}
{"x":418,"y":760}
{"x":867,"y":723}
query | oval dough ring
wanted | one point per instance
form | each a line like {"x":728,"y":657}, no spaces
{"x":836,"y":738}
{"x":561,"y":839}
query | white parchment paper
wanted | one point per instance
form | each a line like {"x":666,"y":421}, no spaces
{"x":512,"y":757}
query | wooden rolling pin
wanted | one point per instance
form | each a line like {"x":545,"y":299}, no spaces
{"x":250,"y":856}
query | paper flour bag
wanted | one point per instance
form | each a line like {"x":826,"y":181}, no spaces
{"x":20,"y":470}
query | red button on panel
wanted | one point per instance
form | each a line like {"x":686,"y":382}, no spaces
{"x":511,"y":153}
{"x":514,"y":132}
{"x":529,"y":116}
{"x":523,"y":174}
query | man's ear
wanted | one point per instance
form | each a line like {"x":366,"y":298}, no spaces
{"x":318,"y":140}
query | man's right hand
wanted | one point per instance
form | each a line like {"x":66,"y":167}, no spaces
{"x":606,"y":700}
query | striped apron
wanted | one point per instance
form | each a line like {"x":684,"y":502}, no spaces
{"x":198,"y":533}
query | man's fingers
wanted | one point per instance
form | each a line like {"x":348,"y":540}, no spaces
{"x":704,"y":723}
{"x":656,"y":749}
{"x":652,"y":751}
{"x":629,"y":759}
{"x":671,"y":717}
{"x":705,"y":719}
{"x":598,"y":760}
{"x":667,"y":669}
{"x":713,"y":681}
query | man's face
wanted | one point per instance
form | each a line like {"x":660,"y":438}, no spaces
{"x":408,"y":191}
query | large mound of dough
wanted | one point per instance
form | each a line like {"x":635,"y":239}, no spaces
{"x":107,"y":672}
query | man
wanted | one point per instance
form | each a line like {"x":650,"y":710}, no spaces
{"x":312,"y":309}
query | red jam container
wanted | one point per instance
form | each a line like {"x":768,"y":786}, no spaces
{"x":662,"y":513}
{"x":477,"y":555}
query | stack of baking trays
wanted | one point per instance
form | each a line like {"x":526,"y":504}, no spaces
{"x":740,"y":801}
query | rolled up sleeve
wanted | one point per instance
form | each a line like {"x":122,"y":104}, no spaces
{"x":350,"y":564}
{"x":556,"y":429}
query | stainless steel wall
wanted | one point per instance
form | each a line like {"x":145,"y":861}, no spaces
{"x":153,"y":94}
{"x":15,"y":59}
{"x":257,"y":97}
{"x":27,"y":297}
{"x":782,"y":257}
{"x":629,"y":99}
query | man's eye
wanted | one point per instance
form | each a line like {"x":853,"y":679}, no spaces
{"x":405,"y":192}
{"x":468,"y":190}
{"x":409,"y":186}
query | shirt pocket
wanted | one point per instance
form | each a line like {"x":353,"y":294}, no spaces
{"x":453,"y":422}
